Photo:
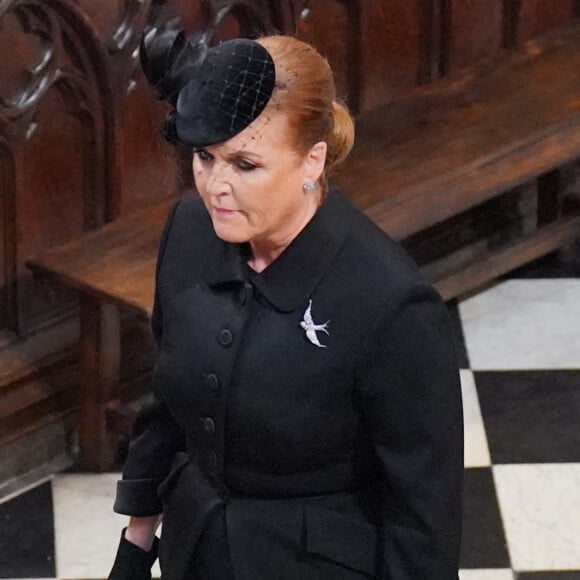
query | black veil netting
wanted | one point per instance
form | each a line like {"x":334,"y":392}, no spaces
{"x":216,"y":91}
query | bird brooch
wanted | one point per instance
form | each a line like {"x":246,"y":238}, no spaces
{"x":311,"y":328}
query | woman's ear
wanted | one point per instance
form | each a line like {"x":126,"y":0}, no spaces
{"x":315,"y":161}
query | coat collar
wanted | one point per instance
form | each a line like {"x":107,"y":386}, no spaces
{"x":227,"y":262}
{"x":292,"y":277}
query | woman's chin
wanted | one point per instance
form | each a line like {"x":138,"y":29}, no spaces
{"x":230,"y":234}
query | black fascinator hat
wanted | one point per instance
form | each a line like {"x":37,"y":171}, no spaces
{"x":216,"y":92}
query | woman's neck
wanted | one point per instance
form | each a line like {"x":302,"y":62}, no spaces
{"x":260,"y":260}
{"x":267,"y":250}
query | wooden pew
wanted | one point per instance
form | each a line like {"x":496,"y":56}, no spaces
{"x":464,"y":141}
{"x":419,"y":165}
{"x":112,"y":269}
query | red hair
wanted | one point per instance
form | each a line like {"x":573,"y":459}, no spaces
{"x":306,"y":92}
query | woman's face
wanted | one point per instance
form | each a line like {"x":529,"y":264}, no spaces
{"x":252,"y":184}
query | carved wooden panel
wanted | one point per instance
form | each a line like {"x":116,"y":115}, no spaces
{"x":108,"y":16}
{"x":432,"y":56}
{"x":391,"y":40}
{"x":328,"y":25}
{"x":55,"y":198}
{"x":149,"y":168}
{"x":54,"y":107}
{"x":475,"y":31}
{"x":255,"y":17}
{"x":7,"y":246}
{"x":539,"y":16}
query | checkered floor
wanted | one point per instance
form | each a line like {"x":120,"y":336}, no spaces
{"x":520,"y":359}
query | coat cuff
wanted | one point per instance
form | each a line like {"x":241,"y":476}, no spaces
{"x":138,"y":497}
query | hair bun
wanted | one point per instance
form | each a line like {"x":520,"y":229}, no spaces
{"x":341,"y":139}
{"x":168,"y":57}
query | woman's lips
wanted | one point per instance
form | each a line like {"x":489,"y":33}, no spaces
{"x":224,"y":212}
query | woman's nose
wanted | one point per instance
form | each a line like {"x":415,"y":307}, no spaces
{"x":219,"y":180}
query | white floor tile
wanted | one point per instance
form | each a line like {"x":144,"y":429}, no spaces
{"x":486,"y":575}
{"x":476,"y":448}
{"x":156,"y":571}
{"x":540,"y":507}
{"x":524,"y":324}
{"x":86,"y":529}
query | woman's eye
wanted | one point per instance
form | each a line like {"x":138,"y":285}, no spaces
{"x":204,"y":155}
{"x":245,"y":165}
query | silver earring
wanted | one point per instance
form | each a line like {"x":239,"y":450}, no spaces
{"x":308,"y":186}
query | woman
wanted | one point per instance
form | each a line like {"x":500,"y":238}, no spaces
{"x":309,"y":422}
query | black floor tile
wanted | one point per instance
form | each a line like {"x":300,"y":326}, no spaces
{"x":27,"y":535}
{"x":458,"y":337}
{"x":531,"y":416}
{"x":483,"y":544}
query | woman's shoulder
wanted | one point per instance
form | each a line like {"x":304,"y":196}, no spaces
{"x":376,"y":259}
{"x":373,"y":277}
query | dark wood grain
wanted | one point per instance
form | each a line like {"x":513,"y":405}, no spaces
{"x":328,"y":26}
{"x":390,"y":50}
{"x":469,"y":41}
{"x":550,"y":186}
{"x":116,"y":263}
{"x":556,"y":235}
{"x":433,"y":48}
{"x":471,"y":236}
{"x":517,"y":121}
{"x":38,"y":389}
{"x":537,"y":17}
{"x":8,"y":321}
{"x":149,"y":164}
{"x":99,"y":357}
{"x":38,"y":381}
{"x":510,"y":15}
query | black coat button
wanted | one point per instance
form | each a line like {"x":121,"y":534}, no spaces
{"x":209,"y":425}
{"x":213,"y":382}
{"x":225,"y":337}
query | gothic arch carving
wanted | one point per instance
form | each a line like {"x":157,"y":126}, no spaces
{"x":72,"y":61}
{"x":258,"y":17}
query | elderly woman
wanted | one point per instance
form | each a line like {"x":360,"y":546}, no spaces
{"x":308,"y":423}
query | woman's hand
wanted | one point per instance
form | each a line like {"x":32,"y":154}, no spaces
{"x":141,"y":531}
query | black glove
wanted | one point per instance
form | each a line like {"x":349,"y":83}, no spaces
{"x":132,"y":562}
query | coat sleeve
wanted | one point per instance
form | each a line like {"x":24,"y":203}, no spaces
{"x":411,"y":404}
{"x":155,"y":438}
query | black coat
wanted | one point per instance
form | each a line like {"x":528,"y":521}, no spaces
{"x":343,"y":461}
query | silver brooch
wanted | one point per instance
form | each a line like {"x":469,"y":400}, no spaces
{"x":311,"y":328}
